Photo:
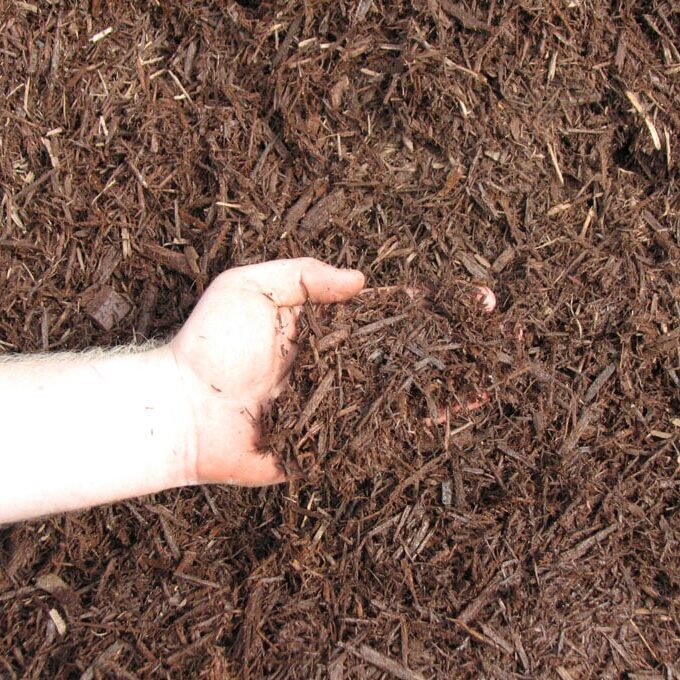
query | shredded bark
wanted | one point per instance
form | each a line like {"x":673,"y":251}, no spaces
{"x":437,"y":145}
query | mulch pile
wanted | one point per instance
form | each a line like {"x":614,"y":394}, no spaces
{"x":434,"y":144}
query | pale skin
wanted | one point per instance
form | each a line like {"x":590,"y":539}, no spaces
{"x":82,"y":430}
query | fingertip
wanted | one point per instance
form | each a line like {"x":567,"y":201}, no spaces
{"x":359,"y":280}
{"x":325,"y":283}
{"x":350,"y":282}
{"x":278,"y":470}
{"x":264,"y":468}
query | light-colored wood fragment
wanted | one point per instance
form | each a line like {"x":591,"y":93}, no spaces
{"x":101,"y":35}
{"x":637,"y":105}
{"x":564,"y":673}
{"x":552,"y":66}
{"x":384,"y":663}
{"x":51,"y":583}
{"x":556,"y":165}
{"x":58,"y":621}
{"x":26,"y":6}
{"x":337,"y":92}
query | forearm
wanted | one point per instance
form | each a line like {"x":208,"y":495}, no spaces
{"x":81,"y":430}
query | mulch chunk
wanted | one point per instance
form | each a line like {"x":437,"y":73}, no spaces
{"x":437,"y":145}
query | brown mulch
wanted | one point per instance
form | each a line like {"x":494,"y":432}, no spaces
{"x":436,"y":144}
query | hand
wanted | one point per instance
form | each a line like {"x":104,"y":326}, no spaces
{"x":234,"y":355}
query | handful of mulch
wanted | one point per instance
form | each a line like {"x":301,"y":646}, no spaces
{"x":380,"y":377}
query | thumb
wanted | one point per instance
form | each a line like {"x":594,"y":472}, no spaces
{"x":244,"y":468}
{"x":261,"y":468}
{"x":293,"y":282}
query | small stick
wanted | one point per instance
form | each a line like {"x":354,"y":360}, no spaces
{"x":378,"y":325}
{"x":178,"y":82}
{"x":470,"y":406}
{"x":411,"y":292}
{"x":599,"y":382}
{"x":637,"y":105}
{"x":315,"y":400}
{"x":553,"y":158}
{"x":101,"y":35}
{"x":580,"y":549}
{"x":384,"y":663}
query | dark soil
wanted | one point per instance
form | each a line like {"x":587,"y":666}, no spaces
{"x":432,"y":144}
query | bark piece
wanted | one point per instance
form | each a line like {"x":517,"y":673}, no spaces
{"x":324,"y":211}
{"x":105,"y":306}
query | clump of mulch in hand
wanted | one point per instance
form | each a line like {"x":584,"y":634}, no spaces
{"x":389,"y":370}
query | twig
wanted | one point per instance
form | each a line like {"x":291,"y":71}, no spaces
{"x":384,"y":663}
{"x":637,"y":105}
{"x":556,"y":165}
{"x":599,"y":382}
{"x":315,"y":400}
{"x":464,"y":17}
{"x":378,"y":325}
{"x":580,"y":549}
{"x":476,"y":605}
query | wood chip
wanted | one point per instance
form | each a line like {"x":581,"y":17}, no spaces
{"x":447,"y":493}
{"x":458,"y":11}
{"x":378,"y":325}
{"x":101,"y":35}
{"x":503,"y":260}
{"x":324,"y":211}
{"x":315,"y":400}
{"x":474,"y":607}
{"x":658,"y":434}
{"x":108,"y":655}
{"x":556,"y":165}
{"x":26,"y":6}
{"x":58,"y":621}
{"x":332,"y":340}
{"x":51,"y":583}
{"x":169,"y":538}
{"x":291,"y":34}
{"x":565,"y":674}
{"x":578,"y":430}
{"x":473,"y":267}
{"x":494,"y":635}
{"x":297,"y":211}
{"x":337,"y":92}
{"x":455,"y":175}
{"x":169,"y":258}
{"x":580,"y":549}
{"x":637,"y":105}
{"x":661,"y":235}
{"x":105,"y":306}
{"x":108,"y":263}
{"x":599,"y":382}
{"x":384,"y":663}
{"x":147,"y":307}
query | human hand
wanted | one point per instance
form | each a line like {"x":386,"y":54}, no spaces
{"x":234,"y":355}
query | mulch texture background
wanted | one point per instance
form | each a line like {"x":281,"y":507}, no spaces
{"x":532,"y":147}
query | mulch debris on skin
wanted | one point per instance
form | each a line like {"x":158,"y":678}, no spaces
{"x":439,"y":146}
